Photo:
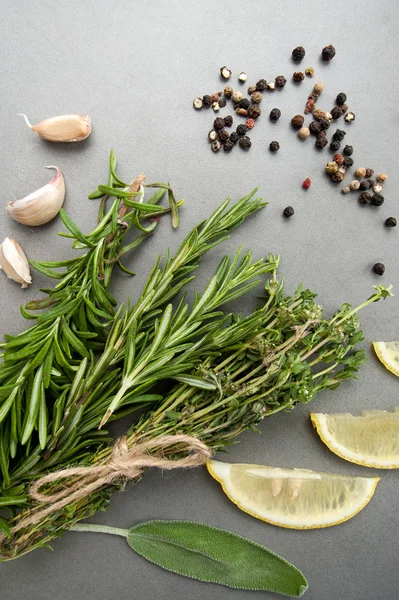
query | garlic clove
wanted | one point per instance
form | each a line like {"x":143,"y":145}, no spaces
{"x":65,"y":128}
{"x":40,"y":206}
{"x":14,"y":263}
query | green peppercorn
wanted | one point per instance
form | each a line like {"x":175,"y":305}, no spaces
{"x":257,"y":97}
{"x":280,"y":81}
{"x":391,"y":222}
{"x":223,"y":135}
{"x":288,"y":212}
{"x":348,"y":150}
{"x":234,"y":137}
{"x":339,"y":135}
{"x":260,"y":86}
{"x":298,"y":53}
{"x":331,"y":168}
{"x":377,"y":199}
{"x":365,"y":198}
{"x":228,"y":121}
{"x":309,"y":71}
{"x":245,"y":142}
{"x":228,"y":91}
{"x":297,"y":121}
{"x":206,"y":101}
{"x":241,"y":130}
{"x":274,"y":146}
{"x":218,"y":123}
{"x":254,"y":111}
{"x":379,"y":269}
{"x":244,"y":103}
{"x":216,"y":146}
{"x":212,"y":135}
{"x":314,"y":127}
{"x":275,"y":114}
{"x":328,"y":52}
{"x":324,"y":124}
{"x":335,"y":145}
{"x":228,"y":145}
{"x":298,"y":76}
{"x":340,"y":99}
{"x":222,"y":102}
{"x":336,"y":113}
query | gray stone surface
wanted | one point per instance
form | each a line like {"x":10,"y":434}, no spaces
{"x":135,"y":67}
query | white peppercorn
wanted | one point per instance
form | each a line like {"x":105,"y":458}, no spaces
{"x":197,"y":103}
{"x":378,"y":188}
{"x":345,"y":190}
{"x":236,"y":96}
{"x":349,"y":117}
{"x":215,"y":106}
{"x":212,"y":135}
{"x":304,"y":133}
{"x":225,"y":72}
{"x":354,"y":185}
{"x":242,"y":77}
{"x":318,"y":87}
{"x":360,"y":172}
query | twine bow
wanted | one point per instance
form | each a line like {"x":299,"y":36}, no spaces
{"x":124,"y":464}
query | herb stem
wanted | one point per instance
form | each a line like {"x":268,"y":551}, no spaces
{"x":95,"y":528}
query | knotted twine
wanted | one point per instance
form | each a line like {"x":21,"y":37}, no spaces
{"x":124,"y":464}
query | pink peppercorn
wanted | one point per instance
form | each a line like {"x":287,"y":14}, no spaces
{"x":250,"y":123}
{"x":339,"y":159}
{"x":307,"y":183}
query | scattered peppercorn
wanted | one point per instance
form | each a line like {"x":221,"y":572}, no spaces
{"x":365,"y":198}
{"x":318,"y":87}
{"x":297,"y":121}
{"x":335,"y":145}
{"x":251,"y":90}
{"x":309,"y":106}
{"x":338,"y":177}
{"x":339,"y":159}
{"x":345,"y":190}
{"x":222,"y":102}
{"x":304,"y":133}
{"x":234,"y":137}
{"x":348,"y":162}
{"x":245,"y":142}
{"x":197,"y":103}
{"x":324,"y":124}
{"x":328,"y":115}
{"x":249,"y":123}
{"x":298,"y":76}
{"x":331,"y":168}
{"x":241,"y":130}
{"x":242,"y":112}
{"x":336,"y":113}
{"x":339,"y":135}
{"x":369,"y":173}
{"x":271,"y":85}
{"x":206,"y":100}
{"x":307,"y":183}
{"x":309,"y":71}
{"x":223,"y":135}
{"x":228,"y":145}
{"x":244,"y":103}
{"x":377,"y":199}
{"x":360,"y":172}
{"x":242,"y":77}
{"x":343,"y":109}
{"x":354,"y":185}
{"x":379,"y":269}
{"x":274,"y":146}
{"x":328,"y":52}
{"x":370,"y":183}
{"x":257,"y":97}
{"x":215,"y":106}
{"x":391,"y":222}
{"x":215,"y":97}
{"x":236,"y":96}
{"x":218,"y":123}
{"x":225,"y":72}
{"x":378,"y":188}
{"x":363,"y":185}
{"x":348,"y":150}
{"x":340,"y":99}
{"x":318,"y":114}
{"x":298,"y":53}
{"x":288,"y":212}
{"x":254,"y":111}
{"x":260,"y":86}
{"x":228,"y":91}
{"x":228,"y":121}
{"x":280,"y":81}
{"x":275,"y":114}
{"x":216,"y":146}
{"x":382,"y":177}
{"x":212,"y":135}
{"x":314,"y":128}
{"x":349,"y":117}
{"x":321,"y":140}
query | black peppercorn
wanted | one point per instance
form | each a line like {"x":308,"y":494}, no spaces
{"x":324,"y":124}
{"x":223,"y":135}
{"x":245,"y":142}
{"x":321,"y":140}
{"x":222,"y":102}
{"x":363,"y":185}
{"x":379,"y":269}
{"x":244,"y":103}
{"x":298,"y":76}
{"x":328,"y":52}
{"x":377,"y":199}
{"x":335,"y":145}
{"x":369,"y":173}
{"x":206,"y":100}
{"x":298,"y":53}
{"x":339,"y":135}
{"x":261,"y":85}
{"x":254,"y":111}
{"x":280,"y":81}
{"x":370,"y":182}
{"x":288,"y":212}
{"x":348,"y":150}
{"x":336,"y":112}
{"x":275,"y":114}
{"x":234,"y":137}
{"x":343,"y":108}
{"x":348,"y":162}
{"x":314,"y":128}
{"x":365,"y":198}
{"x":241,"y":130}
{"x":391,"y":222}
{"x":251,"y":90}
{"x":274,"y":146}
{"x":228,"y":121}
{"x":218,"y":123}
{"x":340,"y":99}
{"x":297,"y":121}
{"x":228,"y":145}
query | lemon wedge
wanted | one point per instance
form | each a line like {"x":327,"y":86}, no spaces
{"x":371,"y":440}
{"x":293,"y":498}
{"x":388,"y":353}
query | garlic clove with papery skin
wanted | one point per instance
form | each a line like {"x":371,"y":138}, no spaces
{"x":40,"y":206}
{"x":14,"y":263}
{"x":64,"y":128}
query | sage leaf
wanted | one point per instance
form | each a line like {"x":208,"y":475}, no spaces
{"x":215,"y":555}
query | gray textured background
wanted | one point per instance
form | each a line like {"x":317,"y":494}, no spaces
{"x":135,"y":68}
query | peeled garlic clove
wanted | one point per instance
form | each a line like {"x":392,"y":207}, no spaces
{"x":42,"y":205}
{"x":14,"y":262}
{"x":65,"y":128}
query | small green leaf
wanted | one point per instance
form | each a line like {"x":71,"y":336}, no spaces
{"x":197,"y":382}
{"x":215,"y":555}
{"x":5,"y":527}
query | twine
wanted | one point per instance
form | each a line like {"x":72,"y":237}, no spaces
{"x":124,"y":464}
